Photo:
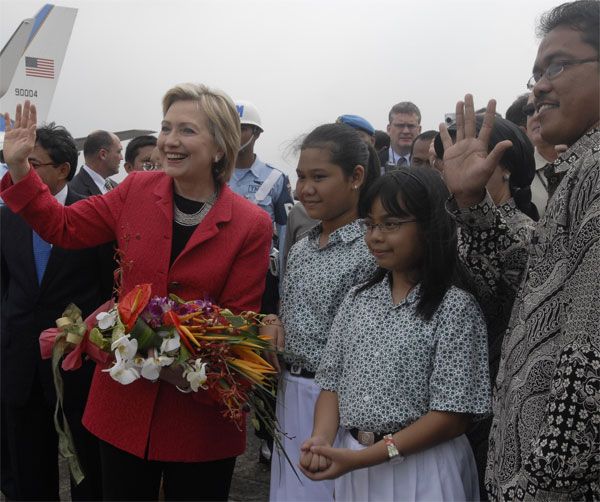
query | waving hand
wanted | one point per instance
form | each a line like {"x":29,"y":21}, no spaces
{"x":19,"y":140}
{"x":467,"y":164}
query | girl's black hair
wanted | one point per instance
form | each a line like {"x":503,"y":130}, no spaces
{"x":420,"y":192}
{"x":347,"y":150}
{"x":519,"y":160}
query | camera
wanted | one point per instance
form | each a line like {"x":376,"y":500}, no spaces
{"x":450,"y":119}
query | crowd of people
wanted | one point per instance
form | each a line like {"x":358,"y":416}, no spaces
{"x":432,"y":296}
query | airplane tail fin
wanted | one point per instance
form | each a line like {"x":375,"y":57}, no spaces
{"x":31,"y":61}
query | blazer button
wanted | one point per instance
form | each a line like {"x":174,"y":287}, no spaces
{"x":172,"y":286}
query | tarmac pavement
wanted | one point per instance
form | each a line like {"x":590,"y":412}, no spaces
{"x":250,"y":479}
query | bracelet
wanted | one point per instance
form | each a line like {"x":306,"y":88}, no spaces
{"x":391,"y":446}
{"x":272,"y":322}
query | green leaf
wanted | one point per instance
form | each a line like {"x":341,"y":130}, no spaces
{"x":175,"y":298}
{"x":145,"y":335}
{"x":235,"y":320}
{"x":97,"y":339}
{"x":183,"y":356}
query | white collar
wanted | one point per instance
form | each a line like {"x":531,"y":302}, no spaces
{"x":97,"y":179}
{"x":395,"y":157}
{"x":62,"y":195}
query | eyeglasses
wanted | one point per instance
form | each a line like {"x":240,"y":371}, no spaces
{"x":150,"y":166}
{"x":555,"y":69}
{"x":386,"y":227}
{"x":35,"y":164}
{"x":410,"y":127}
{"x":529,"y":109}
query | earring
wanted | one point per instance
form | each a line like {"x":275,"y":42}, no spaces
{"x":354,"y":187}
{"x":506,"y":177}
{"x":217,"y":158}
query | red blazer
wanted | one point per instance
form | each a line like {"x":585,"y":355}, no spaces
{"x":226,"y":260}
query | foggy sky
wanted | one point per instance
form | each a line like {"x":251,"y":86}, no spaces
{"x":302,"y":63}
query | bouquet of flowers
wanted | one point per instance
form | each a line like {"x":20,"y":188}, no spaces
{"x":218,"y":352}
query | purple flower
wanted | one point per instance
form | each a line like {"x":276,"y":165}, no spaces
{"x":157,"y":306}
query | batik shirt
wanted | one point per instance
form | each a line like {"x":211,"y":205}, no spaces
{"x":389,"y":367}
{"x":495,"y":282}
{"x":544,"y":443}
{"x":495,"y":290}
{"x":315,"y":283}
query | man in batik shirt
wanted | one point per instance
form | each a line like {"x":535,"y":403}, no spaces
{"x":545,"y":438}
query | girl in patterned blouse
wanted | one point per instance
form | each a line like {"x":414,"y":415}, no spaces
{"x":334,"y":170}
{"x":405,"y":367}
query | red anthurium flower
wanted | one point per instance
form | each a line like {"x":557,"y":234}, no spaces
{"x":133,"y":303}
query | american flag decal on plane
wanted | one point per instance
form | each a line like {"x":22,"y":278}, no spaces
{"x":39,"y":67}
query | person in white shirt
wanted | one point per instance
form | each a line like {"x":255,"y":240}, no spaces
{"x":403,"y":127}
{"x":103,"y":154}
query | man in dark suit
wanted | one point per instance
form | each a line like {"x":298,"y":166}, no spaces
{"x":403,"y":127}
{"x":103,"y":154}
{"x":38,"y":282}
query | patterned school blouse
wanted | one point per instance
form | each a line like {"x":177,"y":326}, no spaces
{"x":315,"y":283}
{"x":544,"y":442}
{"x":389,"y":367}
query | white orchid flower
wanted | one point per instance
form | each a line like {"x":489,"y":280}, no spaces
{"x":170,"y":344}
{"x":125,"y":348}
{"x":196,"y":375}
{"x":152,"y":365}
{"x":106,"y":320}
{"x":122,"y":371}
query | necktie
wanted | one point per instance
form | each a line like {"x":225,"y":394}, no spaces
{"x":401,"y":162}
{"x":109,"y":184}
{"x":41,"y":254}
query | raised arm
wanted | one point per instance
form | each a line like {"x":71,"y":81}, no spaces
{"x":19,"y":140}
{"x":492,"y":251}
{"x":86,"y":223}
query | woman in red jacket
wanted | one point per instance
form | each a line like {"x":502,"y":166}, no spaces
{"x":185,"y":232}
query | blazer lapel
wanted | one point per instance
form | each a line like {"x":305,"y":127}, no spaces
{"x":52,"y":267}
{"x":89,"y":182}
{"x":21,"y":237}
{"x":163,"y":191}
{"x":31,"y":272}
{"x":209,"y":227}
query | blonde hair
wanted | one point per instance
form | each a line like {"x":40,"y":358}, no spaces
{"x":223,"y":121}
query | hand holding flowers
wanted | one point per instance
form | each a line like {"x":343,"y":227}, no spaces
{"x":194,"y":345}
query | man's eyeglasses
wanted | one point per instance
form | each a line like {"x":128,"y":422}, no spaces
{"x":410,"y":127}
{"x":386,"y":227}
{"x":555,"y":69}
{"x":150,"y":166}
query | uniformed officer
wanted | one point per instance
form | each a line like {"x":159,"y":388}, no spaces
{"x":255,"y":180}
{"x":270,"y":189}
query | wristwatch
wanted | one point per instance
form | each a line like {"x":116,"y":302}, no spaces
{"x":393,"y":454}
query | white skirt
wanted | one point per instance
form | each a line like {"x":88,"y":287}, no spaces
{"x":296,"y":400}
{"x":445,"y":472}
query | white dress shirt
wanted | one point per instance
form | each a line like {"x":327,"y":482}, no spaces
{"x":98,"y":180}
